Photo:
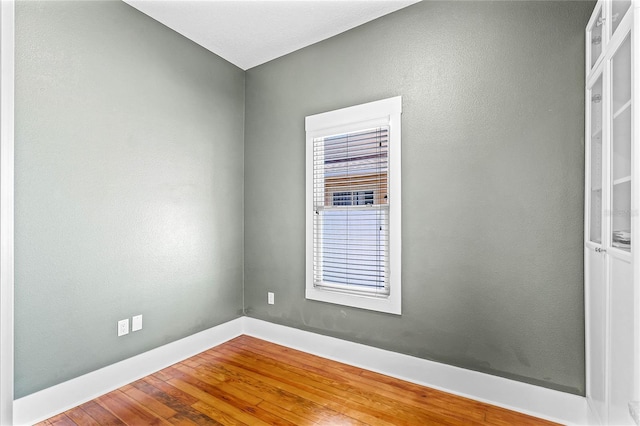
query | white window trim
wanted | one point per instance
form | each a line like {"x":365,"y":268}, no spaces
{"x":383,"y":112}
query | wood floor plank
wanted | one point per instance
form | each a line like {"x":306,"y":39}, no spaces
{"x":273,"y":392}
{"x":61,"y":420}
{"x":292,"y":357}
{"x":286,"y":414}
{"x":321,"y":403}
{"x":150,"y":403}
{"x":364,"y":406}
{"x":218,"y":415}
{"x":413,"y":397}
{"x":175,"y":393}
{"x":324,"y":366}
{"x":342,"y":372}
{"x":367,"y":409}
{"x":247,"y":381}
{"x":100,"y":414}
{"x":175,"y":399}
{"x":221,"y":388}
{"x":162,"y":374}
{"x":180,"y":420}
{"x":218,"y":390}
{"x":239,"y":413}
{"x":81,"y":418}
{"x":128,"y":411}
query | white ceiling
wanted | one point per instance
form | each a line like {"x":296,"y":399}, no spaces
{"x":251,"y":32}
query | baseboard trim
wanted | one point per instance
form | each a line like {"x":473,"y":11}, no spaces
{"x":529,"y":399}
{"x":525,"y":398}
{"x":59,"y":398}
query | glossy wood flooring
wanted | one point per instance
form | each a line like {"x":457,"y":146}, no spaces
{"x":248,"y":381}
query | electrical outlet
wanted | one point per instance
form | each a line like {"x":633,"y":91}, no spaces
{"x":271,"y":298}
{"x":123,"y":327}
{"x":136,"y":323}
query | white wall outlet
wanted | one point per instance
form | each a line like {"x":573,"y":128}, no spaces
{"x":123,"y":327}
{"x":136,"y":323}
{"x":271,"y":298}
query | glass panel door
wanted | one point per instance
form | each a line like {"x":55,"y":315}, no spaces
{"x":595,"y":37}
{"x":621,"y":147}
{"x":595,"y":166}
{"x":618,"y":9}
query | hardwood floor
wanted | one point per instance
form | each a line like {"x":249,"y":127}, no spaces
{"x":248,"y":381}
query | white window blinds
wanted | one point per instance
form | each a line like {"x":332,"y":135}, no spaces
{"x":351,"y":211}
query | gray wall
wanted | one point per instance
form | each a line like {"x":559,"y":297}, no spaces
{"x":492,"y":183}
{"x":129,"y":183}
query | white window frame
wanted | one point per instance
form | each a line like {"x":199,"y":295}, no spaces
{"x":386,"y":112}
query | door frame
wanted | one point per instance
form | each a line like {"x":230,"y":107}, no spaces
{"x":7,"y":70}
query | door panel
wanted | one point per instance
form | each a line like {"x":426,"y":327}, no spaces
{"x":596,"y":326}
{"x":622,"y":342}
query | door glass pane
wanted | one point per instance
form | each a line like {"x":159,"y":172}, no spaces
{"x":595,"y":34}
{"x":618,"y":10}
{"x":621,"y":147}
{"x":595,"y":150}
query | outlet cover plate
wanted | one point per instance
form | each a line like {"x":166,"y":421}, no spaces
{"x":270,"y":298}
{"x":136,"y":323}
{"x":123,"y":327}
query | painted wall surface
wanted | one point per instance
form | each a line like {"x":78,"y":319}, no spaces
{"x":492,"y":177}
{"x":129,"y":183}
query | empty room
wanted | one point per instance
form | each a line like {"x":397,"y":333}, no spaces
{"x":319,"y":212}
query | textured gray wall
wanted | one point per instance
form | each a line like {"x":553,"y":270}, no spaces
{"x":129,"y":180}
{"x":492,"y":183}
{"x":129,"y":183}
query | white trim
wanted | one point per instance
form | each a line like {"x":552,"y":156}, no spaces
{"x":357,"y":113}
{"x":7,"y":60}
{"x":635,"y":192}
{"x":383,"y":112}
{"x":525,"y":398}
{"x":522,"y":397}
{"x":64,"y":396}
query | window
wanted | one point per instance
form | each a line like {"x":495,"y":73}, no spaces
{"x":353,"y":206}
{"x":352,"y":198}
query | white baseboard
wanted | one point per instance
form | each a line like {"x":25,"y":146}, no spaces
{"x":529,"y":399}
{"x":59,"y":398}
{"x":522,"y":397}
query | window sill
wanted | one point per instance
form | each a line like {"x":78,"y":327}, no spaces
{"x":388,"y":304}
